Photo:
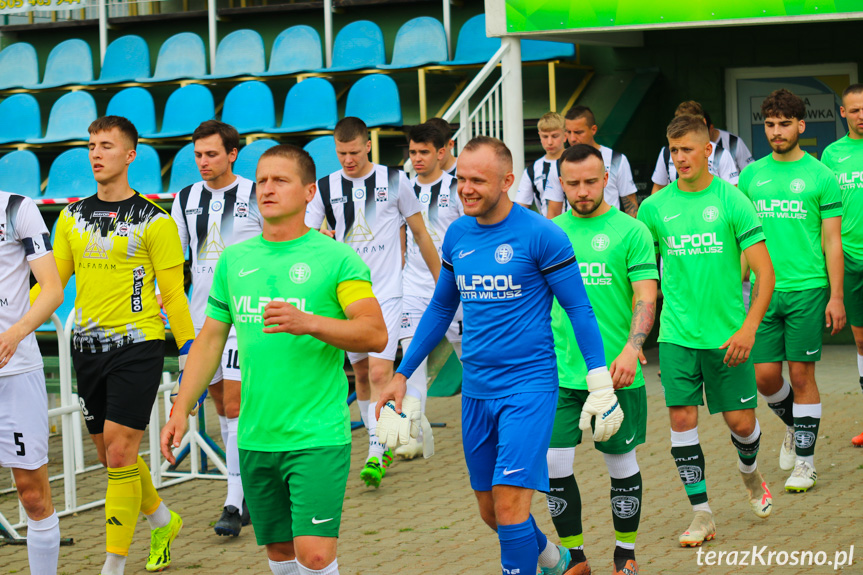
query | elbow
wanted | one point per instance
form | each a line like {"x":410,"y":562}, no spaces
{"x":379,"y":338}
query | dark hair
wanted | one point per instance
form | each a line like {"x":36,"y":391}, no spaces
{"x":229,"y":135}
{"x":853,"y":89}
{"x":305,"y":163}
{"x":125,"y":127}
{"x":783,"y":104}
{"x":579,"y":153}
{"x":577,"y":112}
{"x":427,"y":134}
{"x":443,"y":126}
{"x":693,"y":108}
{"x":499,"y":148}
{"x":686,"y":124}
{"x":349,"y":129}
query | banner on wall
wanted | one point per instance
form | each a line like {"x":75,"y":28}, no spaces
{"x":592,"y":15}
{"x":20,"y":6}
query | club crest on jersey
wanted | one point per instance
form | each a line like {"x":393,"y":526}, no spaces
{"x":443,"y":201}
{"x":300,"y":273}
{"x":194,"y":211}
{"x":600,"y":242}
{"x":503,"y":253}
{"x":381,"y":194}
{"x":359,"y":194}
{"x":122,"y":229}
{"x":797,"y":185}
{"x":406,"y":320}
{"x":2,"y":232}
{"x":216,"y":206}
{"x":241,"y":210}
{"x":710,"y":214}
{"x":425,"y":198}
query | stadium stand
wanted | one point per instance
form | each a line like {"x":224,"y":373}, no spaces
{"x":20,"y":119}
{"x":247,"y":159}
{"x":419,"y":41}
{"x":185,"y":109}
{"x":249,"y":107}
{"x":296,"y":49}
{"x":19,"y":173}
{"x":180,"y":56}
{"x":137,"y":105}
{"x":126,"y":58}
{"x":183,"y":170}
{"x":375,"y":100}
{"x":309,"y":105}
{"x":19,"y":66}
{"x":69,"y":119}
{"x":357,"y":46}
{"x":70,"y":62}
{"x":323,"y":152}
{"x":70,"y":176}
{"x":473,"y":46}
{"x":145,"y":173}
{"x":240,"y":53}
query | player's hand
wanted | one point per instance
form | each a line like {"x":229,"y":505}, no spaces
{"x":329,"y":233}
{"x":835,"y":314}
{"x":283,"y":317}
{"x":395,"y":392}
{"x":739,"y":346}
{"x":9,"y":341}
{"x":172,"y":434}
{"x":641,"y":358}
{"x":398,"y":428}
{"x":602,"y":404}
{"x":624,"y":367}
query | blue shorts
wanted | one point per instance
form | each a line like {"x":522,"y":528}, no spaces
{"x":506,"y":439}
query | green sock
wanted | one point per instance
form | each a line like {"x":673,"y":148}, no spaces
{"x":564,"y":504}
{"x":690,"y":465}
{"x":626,"y":507}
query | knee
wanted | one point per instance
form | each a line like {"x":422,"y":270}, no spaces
{"x":380,"y":375}
{"x":314,"y":560}
{"x":682,"y":420}
{"x":118,"y":454}
{"x":232,"y":409}
{"x":488,"y":516}
{"x":36,"y":501}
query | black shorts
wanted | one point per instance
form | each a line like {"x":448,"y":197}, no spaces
{"x":119,"y":385}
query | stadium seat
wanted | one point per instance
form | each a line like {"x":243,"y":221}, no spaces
{"x":19,"y":173}
{"x":323,"y":152}
{"x":181,"y":56}
{"x":375,"y":100}
{"x":297,"y":49}
{"x":473,"y":46}
{"x":419,"y":41}
{"x":184,"y":171}
{"x":145,"y":173}
{"x":310,"y":105}
{"x":135,"y":104}
{"x":249,"y":107}
{"x":240,"y":53}
{"x":18,"y":66}
{"x":539,"y":50}
{"x":126,"y":58}
{"x":247,"y":159}
{"x":185,"y":109}
{"x":70,"y":62}
{"x":20,"y":119}
{"x":70,"y":175}
{"x":70,"y":117}
{"x":357,"y":46}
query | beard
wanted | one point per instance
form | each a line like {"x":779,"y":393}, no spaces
{"x":786,"y":146}
{"x":586,"y":211}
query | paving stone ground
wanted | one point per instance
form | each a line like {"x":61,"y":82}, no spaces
{"x":423,"y":519}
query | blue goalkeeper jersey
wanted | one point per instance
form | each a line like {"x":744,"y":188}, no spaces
{"x":506,"y":276}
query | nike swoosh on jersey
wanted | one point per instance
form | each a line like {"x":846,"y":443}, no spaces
{"x":759,"y":184}
{"x":742,"y":400}
{"x":840,"y":160}
{"x":669,"y":218}
{"x":510,"y":472}
{"x":244,"y":273}
{"x":317,"y":521}
{"x":813,"y":352}
{"x":463,"y":254}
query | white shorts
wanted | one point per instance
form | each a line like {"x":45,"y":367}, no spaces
{"x":23,"y":420}
{"x":229,"y":368}
{"x":392,"y":310}
{"x":413,"y":308}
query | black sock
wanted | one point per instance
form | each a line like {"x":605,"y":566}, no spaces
{"x":785,"y":409}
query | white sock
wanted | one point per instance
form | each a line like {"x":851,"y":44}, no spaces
{"x":779,"y":395}
{"x":376,"y":448}
{"x":232,"y":456}
{"x":284,"y":567}
{"x":223,"y":426}
{"x":456,"y":347}
{"x":622,"y":545}
{"x":701,"y":507}
{"x":158,"y":518}
{"x":622,"y":465}
{"x":860,"y":364}
{"x":684,"y":438}
{"x":550,"y":556}
{"x":331,"y":569}
{"x":363,"y":404}
{"x":114,"y":564}
{"x":43,"y":544}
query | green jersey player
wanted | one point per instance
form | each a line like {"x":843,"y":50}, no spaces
{"x":845,"y":158}
{"x":617,"y":264}
{"x":800,"y":206}
{"x":700,"y":225}
{"x":297,"y":299}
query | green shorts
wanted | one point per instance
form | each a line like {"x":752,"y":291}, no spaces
{"x":792,"y":328}
{"x":295,"y":493}
{"x":690,"y":374}
{"x":854,"y":290}
{"x":632,"y":432}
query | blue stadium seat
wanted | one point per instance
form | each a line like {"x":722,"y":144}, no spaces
{"x":20,"y":118}
{"x":240,"y":53}
{"x":297,"y":49}
{"x":70,"y":62}
{"x":181,"y":56}
{"x":18,"y":66}
{"x":19,"y":173}
{"x":126,"y":58}
{"x":70,"y":175}
{"x":184,"y":171}
{"x":310,"y":105}
{"x":473,"y":46}
{"x":357,"y":46}
{"x":249,"y":107}
{"x":145,"y":173}
{"x":185,"y":109}
{"x":375,"y":100}
{"x":70,"y":117}
{"x":323,"y":152}
{"x":135,"y":104}
{"x":247,"y":159}
{"x":538,"y":50}
{"x":419,"y":41}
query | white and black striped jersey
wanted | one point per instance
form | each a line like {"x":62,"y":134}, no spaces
{"x":208,"y":221}
{"x":533,"y":187}
{"x":441,"y":206}
{"x":739,"y":152}
{"x":366,"y":213}
{"x":720,"y":164}
{"x":620,"y":180}
{"x":23,"y":238}
{"x":451,"y":170}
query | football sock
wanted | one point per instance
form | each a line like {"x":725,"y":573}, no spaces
{"x":114,"y":564}
{"x":549,"y":555}
{"x":621,"y":556}
{"x":331,"y":569}
{"x":376,"y":448}
{"x":689,"y":459}
{"x":564,"y":498}
{"x":860,"y":368}
{"x":43,"y":544}
{"x":232,"y":461}
{"x":747,"y":449}
{"x":363,"y":405}
{"x":150,"y":499}
{"x":518,"y":549}
{"x":807,"y":418}
{"x":223,"y":427}
{"x":122,"y":504}
{"x":284,"y":567}
{"x":781,"y":403}
{"x":626,"y":492}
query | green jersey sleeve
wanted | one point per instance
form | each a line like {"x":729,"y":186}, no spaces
{"x":745,"y":221}
{"x":641,"y":255}
{"x":218,"y":306}
{"x":745,"y":180}
{"x":831,"y":198}
{"x":645,"y":216}
{"x":353,"y":268}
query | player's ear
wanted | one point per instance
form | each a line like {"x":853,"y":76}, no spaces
{"x":311,"y":190}
{"x":801,"y":126}
{"x":708,"y":149}
{"x":232,"y":155}
{"x":130,"y":156}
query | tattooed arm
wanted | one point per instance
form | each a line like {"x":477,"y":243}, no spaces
{"x":629,"y":205}
{"x":623,"y":368}
{"x":740,"y":344}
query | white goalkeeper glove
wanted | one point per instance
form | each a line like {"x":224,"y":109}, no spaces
{"x":184,"y":353}
{"x":397,"y":429}
{"x":601,"y":403}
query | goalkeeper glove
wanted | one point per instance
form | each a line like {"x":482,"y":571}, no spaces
{"x":184,"y":354}
{"x":602,"y":403}
{"x":398,"y":428}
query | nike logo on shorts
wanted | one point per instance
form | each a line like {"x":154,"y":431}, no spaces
{"x":742,"y":400}
{"x":669,"y":218}
{"x":463,"y":254}
{"x":813,"y":352}
{"x":510,"y":472}
{"x":840,"y":160}
{"x":244,"y":273}
{"x":317,"y":521}
{"x":630,"y":440}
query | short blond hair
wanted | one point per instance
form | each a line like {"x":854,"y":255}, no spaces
{"x":550,"y":122}
{"x":689,"y":108}
{"x":685,"y":124}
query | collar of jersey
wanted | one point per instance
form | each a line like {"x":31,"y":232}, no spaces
{"x":290,"y":244}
